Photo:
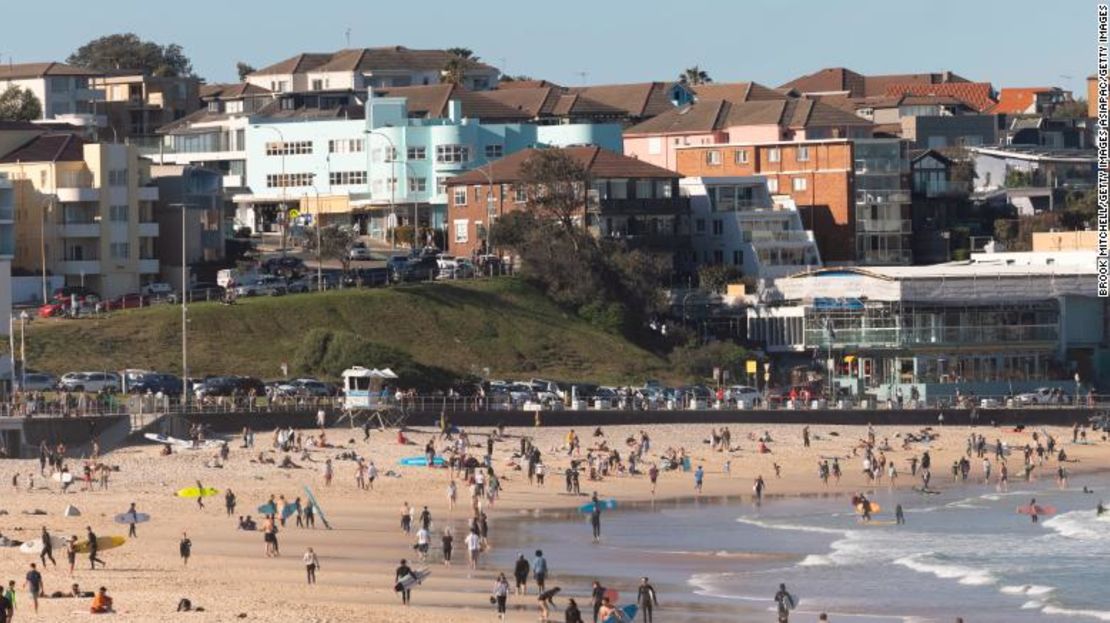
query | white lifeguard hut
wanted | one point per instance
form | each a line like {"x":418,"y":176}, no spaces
{"x":362,"y":391}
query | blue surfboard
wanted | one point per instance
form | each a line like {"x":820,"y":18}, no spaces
{"x":606,"y":505}
{"x":627,"y":614}
{"x":421,"y":461}
{"x":289,"y":510}
{"x":268,"y":509}
{"x":319,"y":511}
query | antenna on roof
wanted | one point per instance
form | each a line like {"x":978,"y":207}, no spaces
{"x":348,"y":35}
{"x":582,"y":75}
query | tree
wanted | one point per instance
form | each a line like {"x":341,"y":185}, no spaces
{"x":555,"y":188}
{"x":335,"y":243}
{"x":716,"y":276}
{"x":463,"y":53}
{"x":454,"y":71}
{"x":18,"y":104}
{"x":694,"y":76}
{"x":1016,"y":178}
{"x":243,"y":69}
{"x":1073,"y":109}
{"x":517,"y":78}
{"x":128,"y":51}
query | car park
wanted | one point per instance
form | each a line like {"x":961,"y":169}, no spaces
{"x":89,"y":382}
{"x":230,"y":385}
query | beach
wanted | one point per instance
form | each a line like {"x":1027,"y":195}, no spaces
{"x":231,"y":578}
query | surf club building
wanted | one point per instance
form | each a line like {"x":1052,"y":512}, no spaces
{"x":995,"y":325}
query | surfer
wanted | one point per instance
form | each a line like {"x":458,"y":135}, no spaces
{"x":229,"y":502}
{"x":1101,"y":509}
{"x":899,"y":515}
{"x":94,"y":547}
{"x":520,"y":574}
{"x":758,"y":489}
{"x":185,"y":548}
{"x":645,"y":597}
{"x":311,"y":564}
{"x":501,"y":594}
{"x":598,"y":596}
{"x":200,"y":496}
{"x":132,"y":515}
{"x":403,"y":571}
{"x":595,"y":518}
{"x":785,"y":603}
{"x":1033,"y":509}
{"x":47,"y":548}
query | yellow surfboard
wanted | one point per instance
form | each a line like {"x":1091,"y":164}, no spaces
{"x":102,"y":543}
{"x":196,"y":492}
{"x":875,"y":508}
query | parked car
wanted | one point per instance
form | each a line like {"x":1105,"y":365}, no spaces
{"x":128,"y":301}
{"x":285,"y":266}
{"x":311,"y":387}
{"x":51,"y":310}
{"x":159,"y":289}
{"x":366,"y":278}
{"x":82,"y":293}
{"x":156,"y":383}
{"x":359,"y":252}
{"x":396,"y":263}
{"x":266,"y":286}
{"x":1043,"y":396}
{"x":743,"y":394}
{"x":454,"y":268}
{"x":416,"y":269}
{"x":205,"y":291}
{"x":36,"y":381}
{"x":89,"y":382}
{"x":228,"y":385}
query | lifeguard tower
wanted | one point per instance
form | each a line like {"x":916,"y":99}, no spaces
{"x":363,"y":393}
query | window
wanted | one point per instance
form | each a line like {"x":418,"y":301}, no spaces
{"x":317,"y":85}
{"x":718,"y":256}
{"x":117,"y":177}
{"x":774,"y":155}
{"x":418,"y":184}
{"x":772,"y":185}
{"x":740,"y":156}
{"x":118,"y":214}
{"x":119,"y":250}
{"x":460,"y":196}
{"x":418,"y":153}
{"x":452,"y":154}
{"x":462,"y":231}
{"x":287,"y":180}
{"x":718,"y":227}
{"x":655,"y":145}
{"x":229,"y":106}
{"x":441,"y":183}
{"x":643,"y":189}
{"x":291,"y":148}
{"x":346,"y":146}
{"x":478,"y":193}
{"x":494,"y":151}
{"x":799,"y":184}
{"x":803,"y":153}
{"x":663,"y":189}
{"x":387,"y":154}
{"x":278,"y":86}
{"x":618,"y":189}
{"x":713,"y":157}
{"x":699,"y":226}
{"x":347,"y":178}
{"x":737,"y":258}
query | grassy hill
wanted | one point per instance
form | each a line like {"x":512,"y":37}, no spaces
{"x":504,"y":325}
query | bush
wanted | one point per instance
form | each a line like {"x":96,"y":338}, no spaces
{"x":611,"y":317}
{"x":328,"y":353}
{"x":697,"y":362}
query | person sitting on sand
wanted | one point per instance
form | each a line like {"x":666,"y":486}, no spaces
{"x":265,"y":460}
{"x":287,"y":463}
{"x":102,"y":603}
{"x":763,"y":449}
{"x":75,"y":591}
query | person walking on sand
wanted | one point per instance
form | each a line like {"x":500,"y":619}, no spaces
{"x":653,"y":476}
{"x":539,"y":571}
{"x":229,"y":502}
{"x":699,"y":476}
{"x":185,"y":548}
{"x":406,"y":518}
{"x":597,"y":595}
{"x":448,"y":540}
{"x":311,"y":564}
{"x":403,"y":571}
{"x":94,"y":547}
{"x":7,"y":609}
{"x":646,"y":599}
{"x":71,"y":553}
{"x":329,"y":473}
{"x":47,"y":548}
{"x":132,"y":519}
{"x":452,"y":494}
{"x":595,"y":517}
{"x":473,"y":548}
{"x":785,"y":602}
{"x":501,"y":595}
{"x":758,"y":489}
{"x":520,"y":574}
{"x":33,"y":584}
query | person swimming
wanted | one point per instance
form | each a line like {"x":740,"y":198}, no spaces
{"x":1101,"y":509}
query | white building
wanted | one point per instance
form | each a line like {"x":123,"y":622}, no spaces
{"x":736,"y":221}
{"x":63,"y":90}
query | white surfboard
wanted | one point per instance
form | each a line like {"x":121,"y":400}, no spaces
{"x":34,"y":546}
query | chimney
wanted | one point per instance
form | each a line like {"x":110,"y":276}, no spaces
{"x":454,"y":111}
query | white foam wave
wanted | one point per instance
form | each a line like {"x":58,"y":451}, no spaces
{"x":1095,"y":614}
{"x":969,"y":576}
{"x":787,"y":526}
{"x":1080,"y":525}
{"x":705,"y":584}
{"x":1033,"y":590}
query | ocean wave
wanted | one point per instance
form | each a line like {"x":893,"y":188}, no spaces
{"x":969,"y":576}
{"x":1095,"y":614}
{"x":1080,"y":525}
{"x":752,"y":521}
{"x":705,"y":584}
{"x":1033,"y":590}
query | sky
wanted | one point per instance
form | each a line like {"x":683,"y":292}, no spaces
{"x":571,"y":42}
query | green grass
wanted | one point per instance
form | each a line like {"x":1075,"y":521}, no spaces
{"x":504,"y":325}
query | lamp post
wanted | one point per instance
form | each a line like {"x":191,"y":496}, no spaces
{"x":185,"y":389}
{"x":319,"y":252}
{"x":23,"y":317}
{"x":392,"y":183}
{"x":46,"y":209}
{"x":11,"y":353}
{"x":284,"y":178}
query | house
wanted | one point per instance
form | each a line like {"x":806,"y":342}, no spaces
{"x":1030,"y":100}
{"x":137,"y":104}
{"x":628,"y":201}
{"x":200,"y":192}
{"x":944,"y":131}
{"x":83,"y":210}
{"x":979,"y":96}
{"x":843,"y":81}
{"x":66,"y":92}
{"x":1001,"y":166}
{"x":1065,"y":133}
{"x":735,"y":221}
{"x":627,"y":104}
{"x":355,"y":70}
{"x":709,"y":122}
{"x":853,"y":194}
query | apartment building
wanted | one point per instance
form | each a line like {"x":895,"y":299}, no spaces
{"x":735,"y":221}
{"x":629,"y":201}
{"x":83,"y":210}
{"x":66,"y":92}
{"x":355,"y":70}
{"x":199,"y":192}
{"x":136,"y":104}
{"x":852,"y":194}
{"x":7,"y":251}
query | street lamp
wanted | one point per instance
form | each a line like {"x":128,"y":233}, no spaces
{"x":46,"y":209}
{"x":185,"y":389}
{"x":392,"y":180}
{"x":488,"y":172}
{"x":319,"y":250}
{"x":23,"y":317}
{"x":284,"y":178}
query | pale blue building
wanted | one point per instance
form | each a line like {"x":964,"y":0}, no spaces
{"x":386,"y":169}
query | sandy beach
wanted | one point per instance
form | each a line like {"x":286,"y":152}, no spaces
{"x":231,"y":578}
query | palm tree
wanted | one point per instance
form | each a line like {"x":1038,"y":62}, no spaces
{"x":455,"y":69}
{"x":694,"y":76}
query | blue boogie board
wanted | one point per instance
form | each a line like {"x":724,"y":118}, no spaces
{"x":606,"y":505}
{"x":268,"y":508}
{"x":421,"y":461}
{"x":625,"y":614}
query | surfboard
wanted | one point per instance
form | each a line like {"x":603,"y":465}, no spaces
{"x":196,"y":492}
{"x":63,"y":477}
{"x":421,"y":461}
{"x":879,"y":522}
{"x":415,"y":578}
{"x":268,"y":508}
{"x":183,"y":443}
{"x":1044,"y":510}
{"x":34,"y":546}
{"x":607,"y":505}
{"x":875,"y":508}
{"x":624,"y":614}
{"x":128,"y":518}
{"x":289,"y":510}
{"x":924,"y":491}
{"x":319,"y":511}
{"x":102,"y":543}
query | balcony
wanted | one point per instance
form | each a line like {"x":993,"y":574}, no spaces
{"x":148,"y":266}
{"x":652,"y":242}
{"x":763,"y":236}
{"x":148,"y":230}
{"x":75,"y":194}
{"x":79,"y":230}
{"x":148,"y":193}
{"x":868,"y":197}
{"x":673,"y":205}
{"x":942,"y":188}
{"x":884,"y":226}
{"x":933,"y":336}
{"x":233,"y":181}
{"x":79,"y":267}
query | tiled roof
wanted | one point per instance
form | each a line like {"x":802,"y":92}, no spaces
{"x":597,"y":161}
{"x":736,"y":92}
{"x":38,"y":70}
{"x":431,"y":102}
{"x":638,"y":100}
{"x":840,"y":79}
{"x":975,"y":94}
{"x":710,"y":115}
{"x":1013,"y":101}
{"x":50,"y":147}
{"x":525,"y":84}
{"x":231,"y":90}
{"x":553,"y":101}
{"x":366,"y":60}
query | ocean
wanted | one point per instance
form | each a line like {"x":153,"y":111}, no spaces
{"x":963,"y":553}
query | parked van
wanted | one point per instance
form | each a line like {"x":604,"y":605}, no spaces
{"x":230,"y":277}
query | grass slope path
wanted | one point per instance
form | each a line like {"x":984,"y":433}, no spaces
{"x":504,"y":324}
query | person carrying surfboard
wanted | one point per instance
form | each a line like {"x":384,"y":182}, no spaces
{"x":402,"y":572}
{"x":786,"y":602}
{"x":94,"y":547}
{"x":133,"y":515}
{"x":645,"y":597}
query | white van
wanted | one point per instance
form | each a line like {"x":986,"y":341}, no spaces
{"x":230,"y":277}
